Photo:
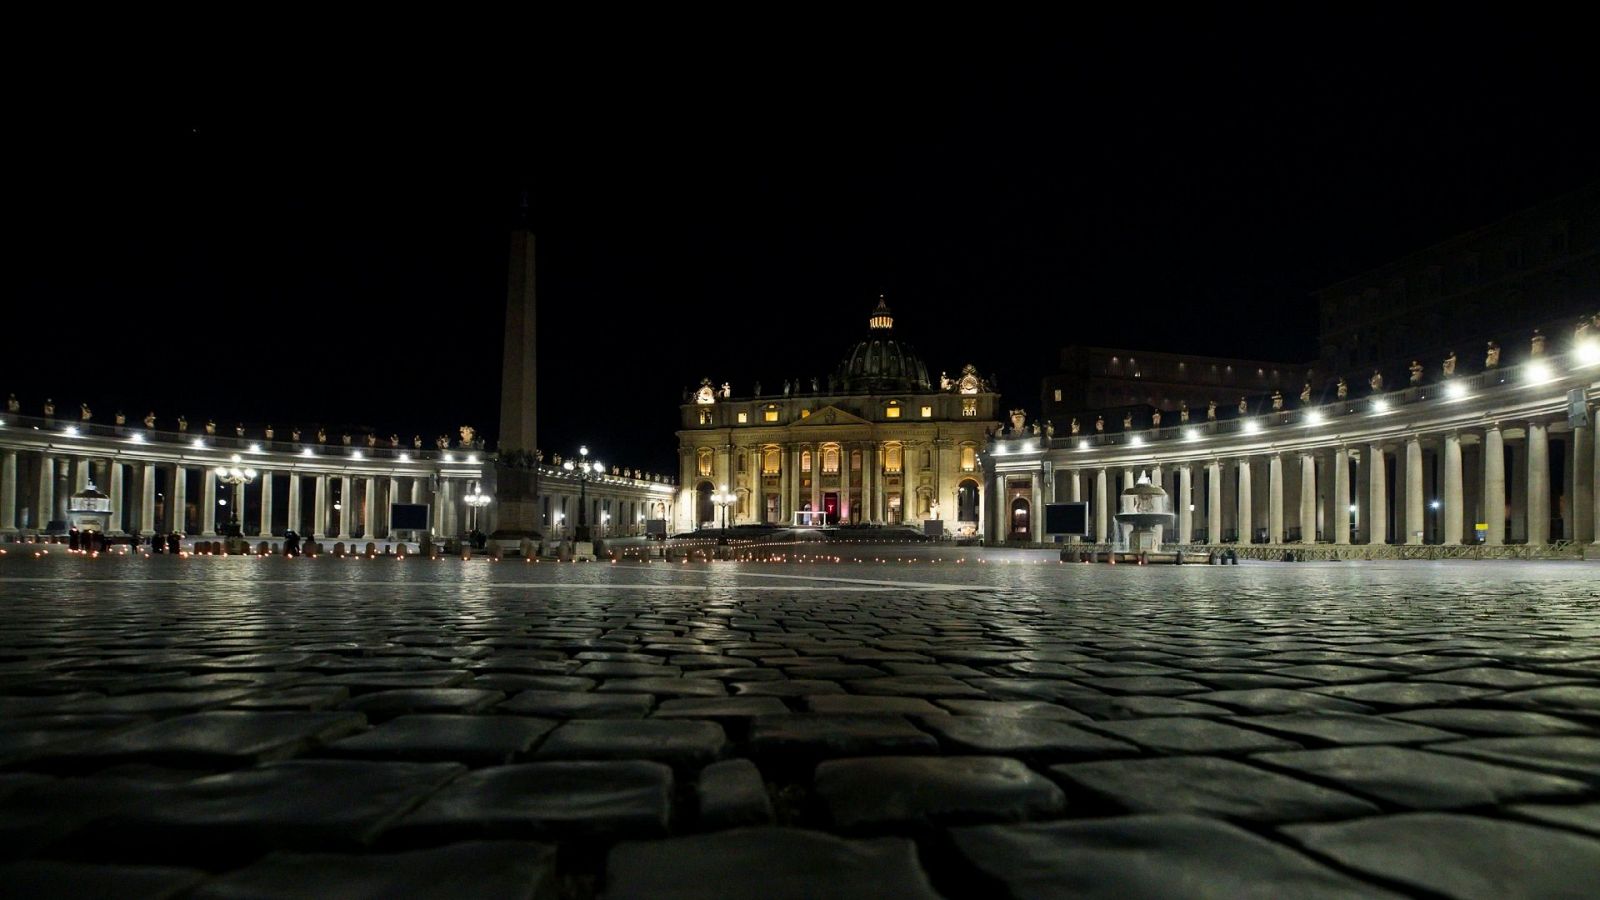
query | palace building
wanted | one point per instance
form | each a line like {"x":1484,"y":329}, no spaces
{"x":877,"y":443}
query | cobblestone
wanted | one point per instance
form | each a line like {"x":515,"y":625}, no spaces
{"x":240,"y":727}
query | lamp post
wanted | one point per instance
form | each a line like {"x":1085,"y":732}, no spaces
{"x":724,"y":499}
{"x":585,"y":471}
{"x":476,"y":501}
{"x":238,"y":478}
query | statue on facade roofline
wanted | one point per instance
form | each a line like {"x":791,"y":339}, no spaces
{"x":727,"y":390}
{"x":1491,"y":356}
{"x":1450,"y":364}
{"x":416,"y":441}
{"x":372,"y":440}
{"x":84,"y":413}
{"x":1305,"y":393}
{"x":1127,"y":421}
{"x":238,"y":430}
{"x":1211,"y":410}
{"x":1074,"y":426}
{"x":211,"y":426}
{"x":1538,"y":343}
{"x":269,"y":432}
{"x":1050,"y":428}
{"x":1244,"y":407}
{"x":1341,"y":390}
{"x":757,"y":390}
{"x":183,"y":424}
{"x":944,"y":382}
{"x":345,"y":438}
{"x":150,"y":419}
{"x":1416,"y":371}
{"x":49,"y":407}
{"x":294,"y":434}
{"x":1099,"y":424}
{"x":467,"y":431}
{"x":1183,"y":411}
{"x":442,"y":442}
{"x":12,"y":404}
{"x":1155,"y":419}
{"x":1277,"y":400}
{"x":119,"y":418}
{"x":394,"y":440}
{"x":1376,"y":381}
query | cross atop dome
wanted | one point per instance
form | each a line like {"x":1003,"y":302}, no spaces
{"x":881,"y":317}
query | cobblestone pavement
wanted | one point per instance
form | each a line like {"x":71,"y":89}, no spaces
{"x":229,"y":728}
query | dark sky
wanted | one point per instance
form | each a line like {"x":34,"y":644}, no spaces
{"x":302,"y":241}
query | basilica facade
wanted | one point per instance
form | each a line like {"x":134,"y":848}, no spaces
{"x":876,"y":442}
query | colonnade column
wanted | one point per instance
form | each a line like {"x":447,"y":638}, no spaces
{"x":1377,"y":496}
{"x":180,"y":500}
{"x":147,"y":499}
{"x":1275,"y":499}
{"x":80,"y":473}
{"x":1185,"y":504}
{"x":319,"y":509}
{"x":1308,"y":498}
{"x":208,"y":503}
{"x":1035,"y":511}
{"x":1414,"y":526}
{"x":1454,"y":520}
{"x":1494,"y":486}
{"x":347,"y":506}
{"x":390,"y":497}
{"x":116,"y":497}
{"x":294,"y":522}
{"x":1583,"y":522}
{"x":1246,"y":527}
{"x":1340,"y":512}
{"x":1213,"y":502}
{"x":8,"y":491}
{"x":266,"y":506}
{"x":1102,"y":516}
{"x":47,"y":492}
{"x":369,"y":509}
{"x":1538,"y":484}
{"x":1594,"y":490}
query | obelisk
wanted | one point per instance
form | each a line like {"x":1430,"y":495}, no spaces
{"x":516,"y":472}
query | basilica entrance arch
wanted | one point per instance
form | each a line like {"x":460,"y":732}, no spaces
{"x":967,"y":501}
{"x":704,"y":510}
{"x":1020,"y":509}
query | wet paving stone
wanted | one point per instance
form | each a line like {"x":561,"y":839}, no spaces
{"x":561,"y":705}
{"x":719,"y":709}
{"x":547,"y":800}
{"x":1406,"y":694}
{"x":1033,"y":739}
{"x":1569,"y":755}
{"x":1461,"y":856}
{"x":380,"y":705}
{"x":216,"y":740}
{"x":777,"y":863}
{"x":1417,"y":779}
{"x":48,"y":879}
{"x":487,"y":869}
{"x":301,"y":804}
{"x":811,"y":737}
{"x":664,"y":687}
{"x":1277,"y":700}
{"x":731,"y":794}
{"x":1141,"y":856}
{"x":475,"y":740}
{"x":1493,"y":722}
{"x":1178,"y":735}
{"x":854,"y":704}
{"x":1583,"y":817}
{"x":1209,"y":786}
{"x":1344,"y":728}
{"x":676,"y":742}
{"x":888,"y":791}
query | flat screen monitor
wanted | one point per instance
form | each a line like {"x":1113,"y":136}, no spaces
{"x":408,"y":517}
{"x":1067,"y":518}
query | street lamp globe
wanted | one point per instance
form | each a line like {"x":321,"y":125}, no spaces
{"x":586,"y":471}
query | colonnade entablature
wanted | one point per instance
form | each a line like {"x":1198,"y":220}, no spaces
{"x":1432,"y":463}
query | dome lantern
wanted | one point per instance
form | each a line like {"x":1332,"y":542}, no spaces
{"x":882,"y":319}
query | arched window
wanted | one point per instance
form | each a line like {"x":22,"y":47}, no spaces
{"x":703,"y":455}
{"x":770,"y":457}
{"x":805,"y":460}
{"x":927,"y":459}
{"x":830,"y":460}
{"x":969,"y":458}
{"x":855,"y":460}
{"x":893,"y":458}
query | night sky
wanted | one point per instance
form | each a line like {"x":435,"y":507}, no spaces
{"x":326,"y":243}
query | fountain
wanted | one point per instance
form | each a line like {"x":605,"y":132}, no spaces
{"x":1143,"y":519}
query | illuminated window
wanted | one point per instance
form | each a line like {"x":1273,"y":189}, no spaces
{"x":893,"y":458}
{"x":1058,"y":395}
{"x":927,"y":412}
{"x":744,"y":418}
{"x":805,"y":460}
{"x":892,"y":411}
{"x":769,"y":460}
{"x":705,"y":417}
{"x":969,"y":406}
{"x":770,"y":414}
{"x":855,"y":460}
{"x":703,"y":456}
{"x":805,"y":413}
{"x":969,"y":458}
{"x":830,"y":460}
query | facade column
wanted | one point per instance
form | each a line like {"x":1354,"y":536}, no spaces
{"x":1275,"y":499}
{"x":1594,"y":487}
{"x":1035,"y":509}
{"x":208,"y":503}
{"x":180,"y":500}
{"x":1377,"y":496}
{"x":115,"y":492}
{"x":1340,"y":513}
{"x":1213,"y":502}
{"x":1246,"y":526}
{"x":1185,"y":503}
{"x":1583,"y":522}
{"x":1102,"y":518}
{"x":369,"y":509}
{"x":1494,"y":486}
{"x":1453,"y":502}
{"x":80,"y":473}
{"x":1538,"y":483}
{"x":319,"y":509}
{"x":47,"y":493}
{"x":8,"y":492}
{"x":147,"y":499}
{"x":1308,"y":498}
{"x":266,"y":506}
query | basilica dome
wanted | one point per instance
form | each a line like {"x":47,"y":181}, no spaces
{"x":881,"y":364}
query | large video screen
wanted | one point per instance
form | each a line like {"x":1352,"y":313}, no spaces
{"x":1067,"y":518}
{"x":408,"y":517}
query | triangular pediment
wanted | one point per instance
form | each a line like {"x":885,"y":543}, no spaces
{"x":831,"y":415}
